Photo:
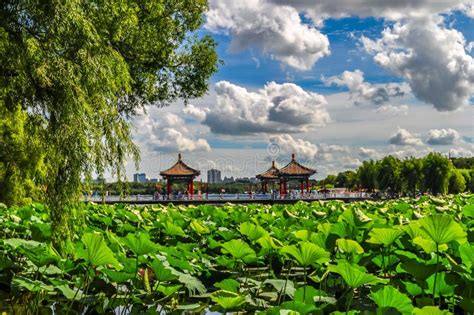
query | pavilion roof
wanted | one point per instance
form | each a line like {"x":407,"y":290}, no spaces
{"x":180,"y":169}
{"x":296,"y":169}
{"x":271,"y":173}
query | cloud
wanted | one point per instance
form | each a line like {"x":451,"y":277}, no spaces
{"x":362,"y":91}
{"x":367,"y":153}
{"x":327,"y":151}
{"x":443,"y":136}
{"x":160,"y":131}
{"x":195,"y":112}
{"x":348,"y":162}
{"x":288,"y":145}
{"x":461,"y":152}
{"x":430,"y":57}
{"x":276,"y":108}
{"x":401,"y":110}
{"x":468,"y":9}
{"x":276,"y":30}
{"x":403,"y":137}
{"x":392,"y":10}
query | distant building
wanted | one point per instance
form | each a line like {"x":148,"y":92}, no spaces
{"x":139,"y":178}
{"x":214,"y":176}
{"x":228,"y":180}
{"x":153,"y":180}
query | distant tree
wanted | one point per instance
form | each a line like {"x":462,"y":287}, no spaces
{"x":85,"y":67}
{"x":463,"y":162}
{"x":457,"y":183}
{"x":470,"y":184}
{"x":330,"y":180}
{"x":367,"y":175}
{"x":411,"y":174}
{"x":346,"y":179}
{"x":388,"y":174}
{"x":436,"y":171}
{"x":467,"y":174}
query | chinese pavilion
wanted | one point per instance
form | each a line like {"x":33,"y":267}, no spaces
{"x":269,"y":176}
{"x":180,"y":172}
{"x":294,"y":171}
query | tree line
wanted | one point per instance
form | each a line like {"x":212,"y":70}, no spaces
{"x":434,"y":174}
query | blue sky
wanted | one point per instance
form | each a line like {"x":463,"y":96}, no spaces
{"x":241,"y":68}
{"x":354,"y":80}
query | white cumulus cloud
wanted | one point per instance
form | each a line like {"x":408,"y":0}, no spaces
{"x":349,"y":162}
{"x":389,"y":9}
{"x":362,"y":91}
{"x":196,"y":112}
{"x":393,"y":110}
{"x":367,"y":153}
{"x":276,"y":108}
{"x":289,"y":145}
{"x":430,"y":57}
{"x":160,"y":131}
{"x":443,"y":136}
{"x":404,"y":137}
{"x":276,"y":30}
{"x":461,"y":152}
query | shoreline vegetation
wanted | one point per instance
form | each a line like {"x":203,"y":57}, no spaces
{"x":405,"y":177}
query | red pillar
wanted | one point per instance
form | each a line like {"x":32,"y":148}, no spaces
{"x":191,"y":186}
{"x":168,"y":187}
{"x":307,"y":185}
{"x":279,"y":186}
{"x":285,"y":186}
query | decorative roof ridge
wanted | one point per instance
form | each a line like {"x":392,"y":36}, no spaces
{"x":180,"y":168}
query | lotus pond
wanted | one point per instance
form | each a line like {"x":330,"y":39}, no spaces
{"x":409,"y":256}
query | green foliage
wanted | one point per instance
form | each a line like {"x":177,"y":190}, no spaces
{"x":374,"y":257}
{"x":384,"y":236}
{"x":22,"y":158}
{"x":390,"y":297}
{"x":349,"y":246}
{"x":353,"y":275}
{"x":367,"y":175}
{"x":239,"y":250}
{"x":96,"y":252}
{"x":436,"y":170}
{"x":347,"y":179}
{"x":388,"y":176}
{"x":411,"y":174}
{"x":457,"y":182}
{"x":140,"y":244}
{"x":306,"y":253}
{"x":81,"y":69}
{"x":433,"y":173}
{"x":228,"y":300}
{"x":442,"y":229}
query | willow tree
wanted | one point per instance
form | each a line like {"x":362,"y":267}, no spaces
{"x":85,"y":67}
{"x":436,"y":170}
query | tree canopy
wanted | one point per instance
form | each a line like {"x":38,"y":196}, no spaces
{"x":83,"y":68}
{"x":433,"y":173}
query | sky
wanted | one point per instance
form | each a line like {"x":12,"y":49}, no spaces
{"x":336,"y":82}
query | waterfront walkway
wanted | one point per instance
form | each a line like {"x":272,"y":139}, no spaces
{"x":229,"y":198}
